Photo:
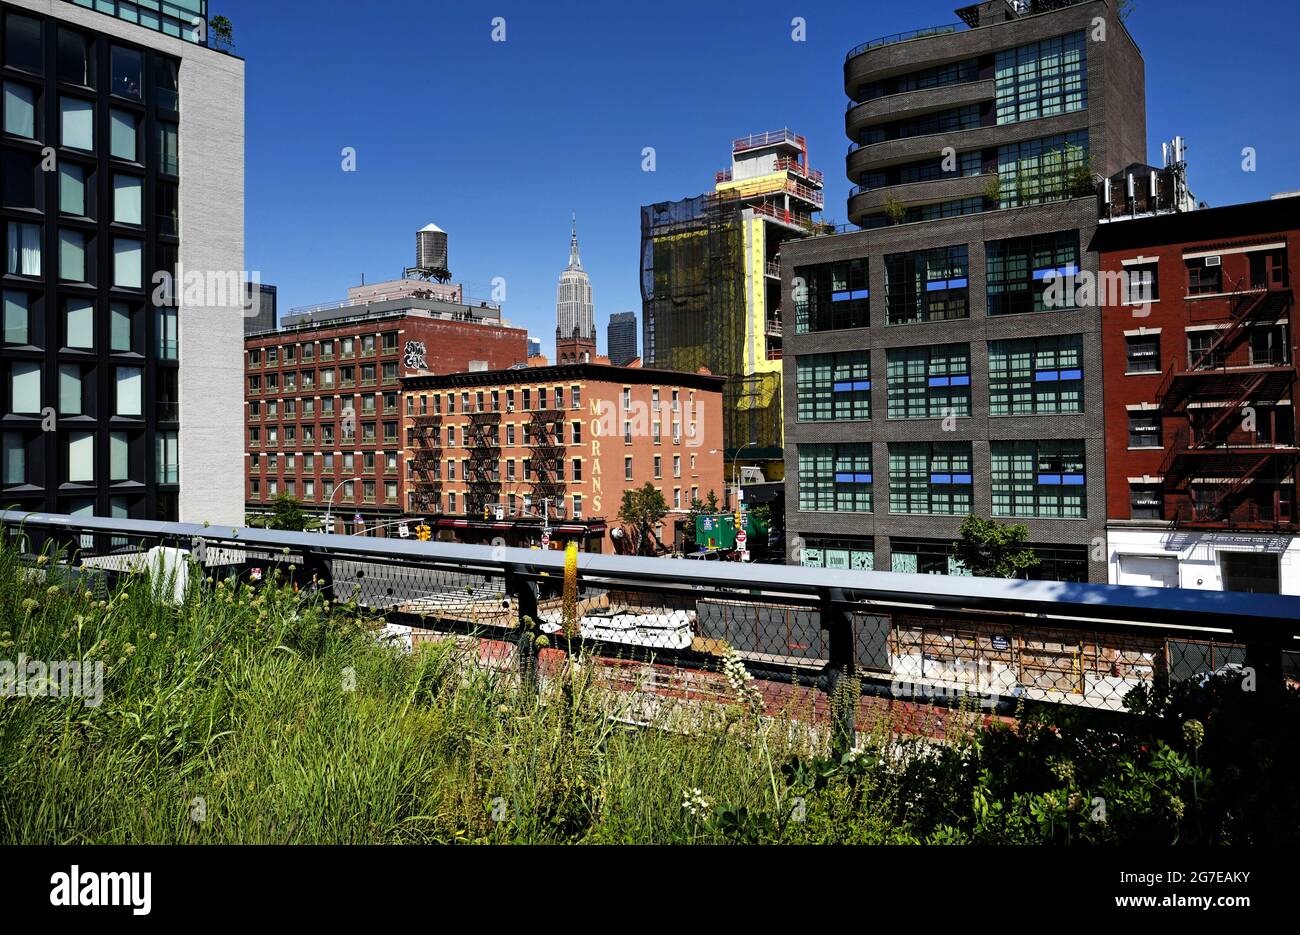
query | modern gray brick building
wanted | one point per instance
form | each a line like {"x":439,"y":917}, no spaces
{"x":928,"y":372}
{"x":123,"y":158}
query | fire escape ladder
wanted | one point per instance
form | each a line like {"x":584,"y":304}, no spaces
{"x":1243,"y":307}
{"x":1230,"y":408}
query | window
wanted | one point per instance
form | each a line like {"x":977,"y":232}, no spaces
{"x":119,"y":456}
{"x":1144,"y":430}
{"x":23,"y":249}
{"x":72,"y":189}
{"x":79,"y":323}
{"x":129,"y":385}
{"x":167,"y":449}
{"x":1141,"y":284}
{"x":1204,"y":352}
{"x":1146,"y":501}
{"x":927,"y":285}
{"x":577,"y":506}
{"x":1036,"y":376}
{"x":1143,"y":352}
{"x":577,"y":469}
{"x":1202,"y":278}
{"x":168,"y":149}
{"x":1041,"y":79}
{"x":22,"y":179}
{"x":929,"y":382}
{"x":831,"y":296}
{"x":81,"y":457}
{"x":168,"y":345}
{"x":658,"y":467}
{"x":20,"y":110}
{"x":167,"y":83}
{"x":924,"y":557}
{"x":14,"y":462}
{"x":577,"y":433}
{"x":17,"y":316}
{"x":1043,"y":479}
{"x":1023,"y":270}
{"x":25,"y":386}
{"x":23,"y":43}
{"x":627,"y":467}
{"x":77,"y":123}
{"x":677,"y":465}
{"x":128,"y":192}
{"x":833,"y":387}
{"x":128,"y":263}
{"x":1047,"y":169}
{"x":128,"y":73}
{"x":842,"y":554}
{"x":944,"y":121}
{"x":835,"y":478}
{"x":74,"y":58}
{"x":575,"y":397}
{"x":72,"y":255}
{"x":927,"y":477}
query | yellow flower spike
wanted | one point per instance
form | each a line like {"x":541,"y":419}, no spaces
{"x":571,"y":625}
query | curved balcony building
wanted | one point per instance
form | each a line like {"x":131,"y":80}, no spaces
{"x":929,"y":371}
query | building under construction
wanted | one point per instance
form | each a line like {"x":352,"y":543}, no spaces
{"x":711,"y":284}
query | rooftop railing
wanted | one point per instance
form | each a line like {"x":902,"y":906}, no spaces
{"x":922,"y":33}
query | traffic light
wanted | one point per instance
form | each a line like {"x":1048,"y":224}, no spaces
{"x":740,"y":520}
{"x":423,"y":533}
{"x":487,"y":513}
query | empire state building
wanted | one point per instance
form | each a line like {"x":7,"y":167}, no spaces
{"x":575,"y":315}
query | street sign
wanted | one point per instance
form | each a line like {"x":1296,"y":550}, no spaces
{"x":546,"y":540}
{"x":404,"y":531}
{"x":742,"y":539}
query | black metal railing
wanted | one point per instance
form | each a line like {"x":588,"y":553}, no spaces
{"x":912,"y":638}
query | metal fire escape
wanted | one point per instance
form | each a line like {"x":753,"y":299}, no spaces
{"x":426,"y":465}
{"x":547,"y":459}
{"x":1217,"y":454}
{"x":484,"y":480}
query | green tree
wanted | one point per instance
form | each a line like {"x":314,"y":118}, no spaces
{"x":895,"y":210}
{"x":643,"y":509}
{"x":990,"y":549}
{"x":286,"y":513}
{"x":222,"y":32}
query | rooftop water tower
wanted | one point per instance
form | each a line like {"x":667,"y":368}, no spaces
{"x":430,"y":255}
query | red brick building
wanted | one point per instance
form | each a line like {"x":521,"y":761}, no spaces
{"x":322,"y":400}
{"x":508,"y":454}
{"x":1199,"y":358}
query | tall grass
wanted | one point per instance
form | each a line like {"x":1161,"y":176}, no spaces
{"x":268,"y":716}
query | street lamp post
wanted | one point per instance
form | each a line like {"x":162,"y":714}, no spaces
{"x":329,"y":527}
{"x":735,"y":476}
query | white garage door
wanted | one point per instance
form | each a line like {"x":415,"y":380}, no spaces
{"x":1148,"y":571}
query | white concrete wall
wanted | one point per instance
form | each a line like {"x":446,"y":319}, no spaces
{"x":212,"y":239}
{"x":1197,"y":554}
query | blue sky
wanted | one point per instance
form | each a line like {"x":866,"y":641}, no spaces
{"x":499,"y":142}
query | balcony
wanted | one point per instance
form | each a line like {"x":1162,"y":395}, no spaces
{"x":873,"y":201}
{"x":915,"y":103}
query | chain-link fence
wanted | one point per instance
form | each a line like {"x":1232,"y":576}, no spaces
{"x":663,"y":628}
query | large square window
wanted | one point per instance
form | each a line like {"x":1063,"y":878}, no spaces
{"x":17,"y":317}
{"x":23,"y":43}
{"x":122,"y":135}
{"x":79,"y":316}
{"x":23,"y":249}
{"x":128,"y":193}
{"x":74,"y":58}
{"x":129,"y":395}
{"x":20,"y":110}
{"x":71,"y":395}
{"x":77,"y":123}
{"x":72,"y":255}
{"x":14,"y":462}
{"x":128,"y":73}
{"x":122,"y":323}
{"x":25,"y":387}
{"x":20,"y":188}
{"x":128,"y":263}
{"x":72,"y":189}
{"x":119,"y":456}
{"x":81,"y":457}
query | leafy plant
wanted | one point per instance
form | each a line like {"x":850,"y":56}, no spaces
{"x":642,"y":510}
{"x":894,"y":210}
{"x":991,"y":549}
